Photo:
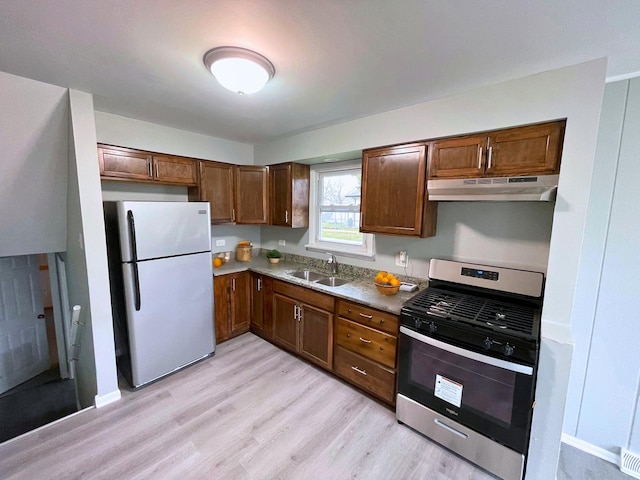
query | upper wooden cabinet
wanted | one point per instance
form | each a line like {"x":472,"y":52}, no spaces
{"x":528,"y":150}
{"x":124,"y":163}
{"x":252,"y":194}
{"x":237,"y":193}
{"x":118,"y":163}
{"x":176,"y":170}
{"x":216,"y":187}
{"x":393,"y":192}
{"x":289,"y":195}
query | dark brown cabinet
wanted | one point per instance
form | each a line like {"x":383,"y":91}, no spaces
{"x":236,"y":193}
{"x":289,"y":195}
{"x":261,"y":298}
{"x":529,"y":150}
{"x":118,"y":163}
{"x":303,"y":322}
{"x":232,"y":305}
{"x":216,"y":187}
{"x":366,"y":349}
{"x":251,"y":194}
{"x":393,"y":199}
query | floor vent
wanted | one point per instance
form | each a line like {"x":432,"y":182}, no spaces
{"x":630,"y":463}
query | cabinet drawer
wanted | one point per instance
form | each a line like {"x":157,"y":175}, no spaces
{"x":304,"y":295}
{"x":371,"y":343}
{"x":368,"y":375}
{"x":368,"y":316}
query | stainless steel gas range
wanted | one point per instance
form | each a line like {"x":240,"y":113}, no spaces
{"x":468,"y":362}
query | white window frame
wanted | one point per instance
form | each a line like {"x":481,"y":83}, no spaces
{"x":365,"y":251}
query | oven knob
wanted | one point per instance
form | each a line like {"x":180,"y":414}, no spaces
{"x":487,"y":343}
{"x":417,"y":322}
{"x":433,"y":328}
{"x":508,"y":349}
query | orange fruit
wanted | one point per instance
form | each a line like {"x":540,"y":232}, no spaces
{"x":217,"y":262}
{"x":394,"y":282}
{"x":384,"y":280}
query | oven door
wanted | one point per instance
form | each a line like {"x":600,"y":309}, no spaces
{"x":489,"y":395}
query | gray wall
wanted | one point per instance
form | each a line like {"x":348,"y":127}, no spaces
{"x":87,"y":271}
{"x":34,"y":124}
{"x":602,"y":404}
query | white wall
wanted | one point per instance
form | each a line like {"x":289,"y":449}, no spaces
{"x":128,"y":132}
{"x":34,"y":124}
{"x":602,"y":405}
{"x":574,"y":93}
{"x":87,"y":259}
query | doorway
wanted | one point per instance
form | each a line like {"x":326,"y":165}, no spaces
{"x":36,"y":387}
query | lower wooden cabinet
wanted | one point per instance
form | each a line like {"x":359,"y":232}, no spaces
{"x":303,"y":322}
{"x":232,"y":305}
{"x":366,"y":349}
{"x":261,"y":300}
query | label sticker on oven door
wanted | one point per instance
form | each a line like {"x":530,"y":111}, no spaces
{"x":448,"y":390}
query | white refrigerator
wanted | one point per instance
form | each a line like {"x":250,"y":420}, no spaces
{"x":161,"y":286}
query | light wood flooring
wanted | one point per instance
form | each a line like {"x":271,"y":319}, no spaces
{"x":252,"y":411}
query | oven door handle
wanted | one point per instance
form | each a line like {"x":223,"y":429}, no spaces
{"x":496,"y":362}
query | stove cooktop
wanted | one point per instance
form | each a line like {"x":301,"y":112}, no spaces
{"x":516,"y":319}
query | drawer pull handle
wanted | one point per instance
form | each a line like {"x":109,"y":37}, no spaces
{"x":364,"y":340}
{"x":366,"y":316}
{"x":361,"y":372}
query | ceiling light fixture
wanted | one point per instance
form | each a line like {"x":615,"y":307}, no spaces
{"x":238,"y":69}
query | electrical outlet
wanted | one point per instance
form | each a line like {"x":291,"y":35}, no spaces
{"x":220,"y":243}
{"x":282,"y":243}
{"x":401,"y":258}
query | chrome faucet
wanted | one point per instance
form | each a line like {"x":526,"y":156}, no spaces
{"x":334,"y":264}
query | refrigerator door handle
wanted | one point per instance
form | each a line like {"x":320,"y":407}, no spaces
{"x":134,"y":258}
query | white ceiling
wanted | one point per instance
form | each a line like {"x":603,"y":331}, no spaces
{"x":335,"y":60}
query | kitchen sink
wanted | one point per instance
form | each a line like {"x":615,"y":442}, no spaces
{"x":308,"y":275}
{"x":332,"y":281}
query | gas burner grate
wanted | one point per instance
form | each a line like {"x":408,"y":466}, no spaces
{"x":461,"y":307}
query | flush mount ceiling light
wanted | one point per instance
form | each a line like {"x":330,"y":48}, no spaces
{"x":238,"y":69}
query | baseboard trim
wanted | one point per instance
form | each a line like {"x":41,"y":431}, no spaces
{"x":102,"y":400}
{"x":591,"y":449}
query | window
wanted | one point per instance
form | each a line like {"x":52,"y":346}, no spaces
{"x":334,"y":211}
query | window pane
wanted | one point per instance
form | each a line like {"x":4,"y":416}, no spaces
{"x":340,"y":188}
{"x":340,"y":227}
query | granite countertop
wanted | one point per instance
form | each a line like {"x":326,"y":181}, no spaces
{"x":359,"y":289}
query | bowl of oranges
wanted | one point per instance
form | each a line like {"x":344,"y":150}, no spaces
{"x":386,"y":283}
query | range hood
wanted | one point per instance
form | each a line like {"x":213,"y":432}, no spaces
{"x":498,"y":189}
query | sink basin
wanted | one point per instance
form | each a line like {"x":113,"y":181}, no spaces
{"x":332,"y":281}
{"x":308,"y":275}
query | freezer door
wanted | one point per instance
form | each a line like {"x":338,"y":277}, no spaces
{"x":163,"y":229}
{"x":174,"y":325}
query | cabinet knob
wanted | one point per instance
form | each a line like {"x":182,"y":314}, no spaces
{"x":348,"y":335}
{"x":382,"y":320}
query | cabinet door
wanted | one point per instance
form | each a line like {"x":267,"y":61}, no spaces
{"x":531,"y":150}
{"x":175,"y":170}
{"x":393,"y":191}
{"x":458,"y":157}
{"x":240,"y":302}
{"x":285,"y":322}
{"x":280,"y":194}
{"x":252,"y":194}
{"x":316,"y":336}
{"x":289,"y":195}
{"x":216,"y":187}
{"x":221,"y":308}
{"x":124,"y":163}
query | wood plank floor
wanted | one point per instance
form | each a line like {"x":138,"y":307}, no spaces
{"x":252,"y":411}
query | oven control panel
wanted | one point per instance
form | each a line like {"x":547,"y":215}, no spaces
{"x":475,"y":273}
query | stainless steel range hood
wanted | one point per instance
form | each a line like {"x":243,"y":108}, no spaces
{"x":498,"y":189}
